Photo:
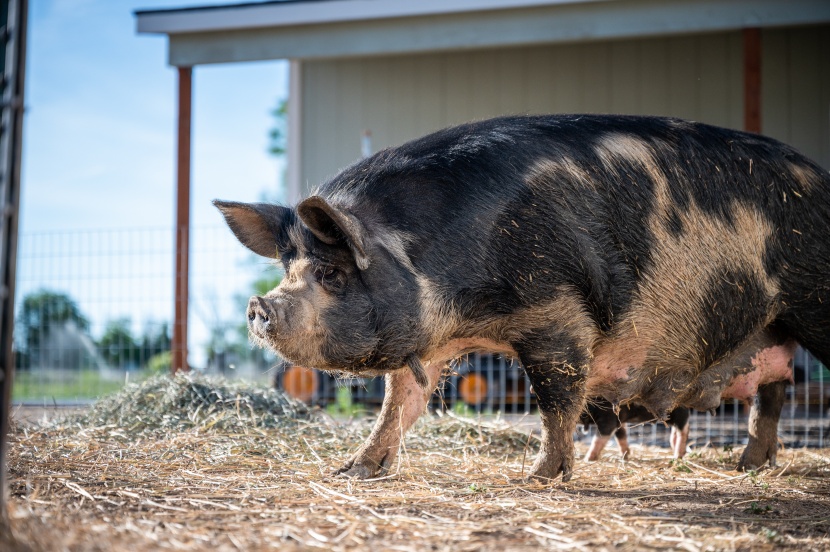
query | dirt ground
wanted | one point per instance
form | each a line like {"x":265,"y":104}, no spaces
{"x":33,"y":415}
{"x":76,"y":487}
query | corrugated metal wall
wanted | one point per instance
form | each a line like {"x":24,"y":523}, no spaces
{"x":696,"y":77}
{"x":796,"y":89}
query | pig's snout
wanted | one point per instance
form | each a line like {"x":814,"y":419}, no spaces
{"x":264,"y":315}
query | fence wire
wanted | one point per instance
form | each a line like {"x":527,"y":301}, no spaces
{"x":94,"y":310}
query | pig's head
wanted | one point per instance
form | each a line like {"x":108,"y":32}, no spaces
{"x":345,"y":303}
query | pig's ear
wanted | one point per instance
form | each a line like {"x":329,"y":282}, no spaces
{"x":256,"y":225}
{"x":332,"y":225}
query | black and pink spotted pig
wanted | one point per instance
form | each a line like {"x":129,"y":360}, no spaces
{"x":628,"y":258}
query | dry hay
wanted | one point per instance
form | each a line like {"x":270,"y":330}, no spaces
{"x":193,"y":401}
{"x":249,"y":470}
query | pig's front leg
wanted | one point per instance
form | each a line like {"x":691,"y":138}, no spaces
{"x":763,"y":427}
{"x":558,"y":379}
{"x":404,"y":401}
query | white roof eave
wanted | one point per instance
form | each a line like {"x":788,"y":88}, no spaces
{"x":355,"y":28}
{"x":289,"y":14}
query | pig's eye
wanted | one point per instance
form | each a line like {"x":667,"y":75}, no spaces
{"x":330,"y":278}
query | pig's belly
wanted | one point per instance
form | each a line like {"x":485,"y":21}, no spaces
{"x":768,"y":365}
{"x":458,"y":347}
{"x":612,"y":370}
{"x":611,"y":365}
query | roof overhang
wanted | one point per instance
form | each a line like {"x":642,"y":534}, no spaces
{"x":301,"y":29}
{"x":287,"y":13}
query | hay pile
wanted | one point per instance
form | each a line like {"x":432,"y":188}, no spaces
{"x":194,"y":401}
{"x":192,"y":464}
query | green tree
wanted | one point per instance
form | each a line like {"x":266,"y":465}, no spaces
{"x":155,"y":340}
{"x":40,"y":311}
{"x":278,"y":135}
{"x":117,"y":346}
{"x":277,"y":147}
{"x":263,"y":285}
{"x":120,"y":348}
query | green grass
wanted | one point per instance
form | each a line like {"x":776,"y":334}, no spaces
{"x":343,"y":405}
{"x":57,"y":386}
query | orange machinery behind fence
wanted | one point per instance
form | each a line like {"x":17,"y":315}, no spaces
{"x":478,"y":381}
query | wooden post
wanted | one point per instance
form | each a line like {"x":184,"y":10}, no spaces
{"x":179,"y":353}
{"x":752,"y":80}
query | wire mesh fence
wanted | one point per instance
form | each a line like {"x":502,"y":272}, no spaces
{"x":94,"y":310}
{"x":493,"y":385}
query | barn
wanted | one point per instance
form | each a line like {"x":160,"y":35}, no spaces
{"x":398,"y":70}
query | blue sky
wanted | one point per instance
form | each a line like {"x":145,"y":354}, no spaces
{"x":98,"y":167}
{"x":100,"y":122}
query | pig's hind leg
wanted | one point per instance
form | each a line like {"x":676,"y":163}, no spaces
{"x":679,"y":422}
{"x":621,"y":435}
{"x":598,"y":442}
{"x":763,"y":426}
{"x":608,"y":423}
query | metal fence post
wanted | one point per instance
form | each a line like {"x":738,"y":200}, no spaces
{"x":13,"y":58}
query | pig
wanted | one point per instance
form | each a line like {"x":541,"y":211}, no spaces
{"x":601,"y":412}
{"x":625,"y":257}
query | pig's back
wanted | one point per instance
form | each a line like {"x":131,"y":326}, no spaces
{"x":501,"y":213}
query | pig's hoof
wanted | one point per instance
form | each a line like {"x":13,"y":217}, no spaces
{"x":756,"y":454}
{"x":530,"y":480}
{"x":364,"y":468}
{"x":357,"y":471}
{"x":546,"y":469}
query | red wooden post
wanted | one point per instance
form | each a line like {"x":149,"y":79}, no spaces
{"x":179,"y":353}
{"x":752,"y":80}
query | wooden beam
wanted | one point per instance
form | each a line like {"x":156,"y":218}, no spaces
{"x":179,"y":353}
{"x":752,"y":80}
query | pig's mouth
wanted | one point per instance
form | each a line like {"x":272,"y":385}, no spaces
{"x":300,"y":338}
{"x":271,"y":327}
{"x":290,"y":328}
{"x":307,"y":351}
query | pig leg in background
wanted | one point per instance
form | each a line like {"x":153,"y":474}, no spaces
{"x":559,"y":384}
{"x":598,"y":443}
{"x":608,"y":423}
{"x":679,"y":422}
{"x":621,"y":435}
{"x":601,"y":413}
{"x":403,"y":403}
{"x":763,"y":427}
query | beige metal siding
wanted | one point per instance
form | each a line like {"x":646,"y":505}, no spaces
{"x":795,"y":77}
{"x":696,"y":77}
